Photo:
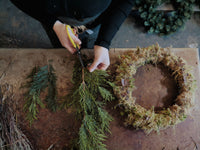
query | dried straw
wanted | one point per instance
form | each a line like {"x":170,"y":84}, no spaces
{"x":11,"y":137}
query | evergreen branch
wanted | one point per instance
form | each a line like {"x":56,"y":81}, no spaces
{"x":88,"y":95}
{"x":96,"y":120}
{"x":40,"y":79}
{"x":88,"y":88}
{"x":52,"y":91}
{"x":31,"y":106}
{"x":30,"y":77}
{"x":36,"y":85}
{"x":90,"y":136}
{"x":105,"y":119}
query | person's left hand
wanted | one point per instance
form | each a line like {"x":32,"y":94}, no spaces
{"x":101,"y":59}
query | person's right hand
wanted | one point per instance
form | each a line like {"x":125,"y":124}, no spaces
{"x":60,"y":30}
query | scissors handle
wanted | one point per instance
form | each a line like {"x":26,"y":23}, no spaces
{"x":68,"y":28}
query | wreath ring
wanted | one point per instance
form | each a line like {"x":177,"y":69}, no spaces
{"x":138,"y":116}
{"x":164,"y":22}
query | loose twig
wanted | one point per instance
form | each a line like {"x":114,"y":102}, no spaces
{"x":196,"y":147}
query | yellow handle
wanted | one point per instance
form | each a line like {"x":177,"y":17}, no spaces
{"x":70,"y":38}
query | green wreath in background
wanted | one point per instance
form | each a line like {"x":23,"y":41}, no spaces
{"x":161,"y":22}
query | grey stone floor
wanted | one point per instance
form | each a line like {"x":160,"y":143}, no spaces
{"x":19,"y":30}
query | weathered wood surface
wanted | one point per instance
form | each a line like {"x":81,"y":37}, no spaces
{"x":61,"y":127}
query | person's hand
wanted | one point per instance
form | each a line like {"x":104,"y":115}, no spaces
{"x":60,"y":30}
{"x":101,"y":59}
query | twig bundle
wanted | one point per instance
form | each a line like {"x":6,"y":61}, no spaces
{"x":11,"y":137}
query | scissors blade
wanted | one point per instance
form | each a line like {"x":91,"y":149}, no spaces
{"x":80,"y":58}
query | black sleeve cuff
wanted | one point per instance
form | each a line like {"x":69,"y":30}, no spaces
{"x":103,"y":44}
{"x":112,"y":21}
{"x":49,"y":21}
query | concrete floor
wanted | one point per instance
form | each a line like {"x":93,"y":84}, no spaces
{"x":19,"y":30}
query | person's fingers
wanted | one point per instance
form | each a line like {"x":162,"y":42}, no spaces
{"x":70,"y":49}
{"x":102,"y":66}
{"x":74,"y":36}
{"x":61,"y":32}
{"x":93,"y":66}
{"x":68,"y":46}
{"x":74,"y":30}
{"x":76,"y":40}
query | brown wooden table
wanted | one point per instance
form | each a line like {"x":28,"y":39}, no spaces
{"x":57,"y":129}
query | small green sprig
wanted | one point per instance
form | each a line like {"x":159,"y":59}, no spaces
{"x":52,"y":91}
{"x":40,"y":79}
{"x":38,"y":82}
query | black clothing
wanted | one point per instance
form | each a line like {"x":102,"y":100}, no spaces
{"x":110,"y":14}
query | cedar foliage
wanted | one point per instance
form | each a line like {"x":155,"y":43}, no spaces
{"x":88,"y":88}
{"x":40,"y":79}
{"x":52,"y":92}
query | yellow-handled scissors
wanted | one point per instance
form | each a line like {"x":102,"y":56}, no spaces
{"x":76,"y":46}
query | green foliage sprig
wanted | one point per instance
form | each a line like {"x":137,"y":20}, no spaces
{"x":40,"y":79}
{"x":88,"y":88}
{"x":95,"y":121}
{"x":164,"y":22}
{"x":52,"y":91}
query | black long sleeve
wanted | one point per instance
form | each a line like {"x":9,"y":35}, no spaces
{"x":112,"y":13}
{"x":37,"y":10}
{"x":112,"y":20}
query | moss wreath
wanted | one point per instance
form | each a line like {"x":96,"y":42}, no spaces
{"x":164,"y":22}
{"x":138,"y":116}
